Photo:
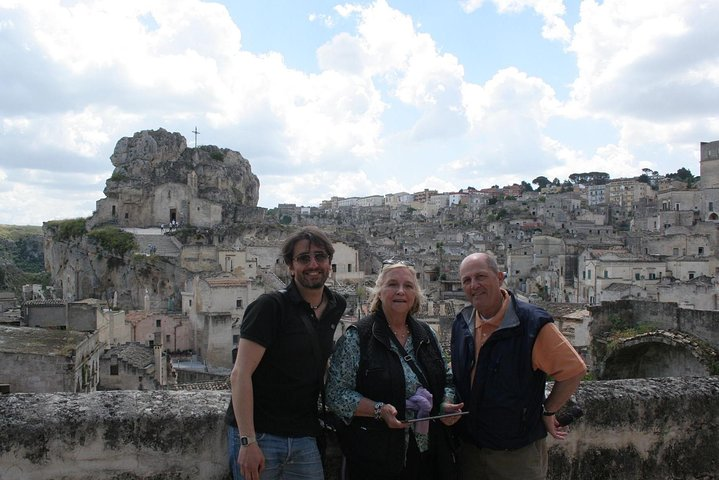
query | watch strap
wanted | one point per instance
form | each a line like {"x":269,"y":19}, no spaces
{"x":546,"y":412}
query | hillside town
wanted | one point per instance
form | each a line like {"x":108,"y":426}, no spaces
{"x":163,"y":310}
{"x":120,"y":366}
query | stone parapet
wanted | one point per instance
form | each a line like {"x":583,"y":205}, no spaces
{"x":631,"y":429}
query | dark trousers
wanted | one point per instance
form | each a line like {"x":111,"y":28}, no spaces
{"x":417,"y":467}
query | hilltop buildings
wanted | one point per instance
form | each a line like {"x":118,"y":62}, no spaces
{"x":644,"y":238}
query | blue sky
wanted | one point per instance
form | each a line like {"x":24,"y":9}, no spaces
{"x":353,"y":99}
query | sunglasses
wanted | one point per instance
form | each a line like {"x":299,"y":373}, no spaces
{"x":306,"y":258}
{"x":391,"y":261}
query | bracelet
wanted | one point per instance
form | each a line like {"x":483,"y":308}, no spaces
{"x":378,"y":410}
{"x":546,"y":412}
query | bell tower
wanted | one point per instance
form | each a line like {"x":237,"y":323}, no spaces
{"x":709,"y":183}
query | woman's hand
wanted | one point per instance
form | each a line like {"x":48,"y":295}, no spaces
{"x":450,"y":408}
{"x":389,"y":414}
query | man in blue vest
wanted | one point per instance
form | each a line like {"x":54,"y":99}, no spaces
{"x":502,"y":351}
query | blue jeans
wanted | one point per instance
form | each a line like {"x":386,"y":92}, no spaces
{"x":285,"y":457}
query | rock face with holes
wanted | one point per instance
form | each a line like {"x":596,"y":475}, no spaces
{"x":158,"y":180}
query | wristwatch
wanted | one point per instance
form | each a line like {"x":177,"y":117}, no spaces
{"x":546,"y":412}
{"x":244,"y":441}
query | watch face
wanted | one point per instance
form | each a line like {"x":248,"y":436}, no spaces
{"x":244,"y":441}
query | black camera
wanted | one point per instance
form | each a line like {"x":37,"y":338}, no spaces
{"x":569,"y":414}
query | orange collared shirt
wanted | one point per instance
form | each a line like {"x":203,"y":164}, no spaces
{"x":552,"y":352}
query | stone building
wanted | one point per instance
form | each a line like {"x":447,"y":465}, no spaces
{"x":174,"y":329}
{"x":215,"y":307}
{"x":89,"y":315}
{"x":41,"y":360}
{"x":600,"y":268}
{"x":345,"y":264}
{"x":698,"y":293}
{"x":7,"y":301}
{"x":131,"y":366}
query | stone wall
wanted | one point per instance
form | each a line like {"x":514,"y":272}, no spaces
{"x":704,"y":324}
{"x":632,"y":429}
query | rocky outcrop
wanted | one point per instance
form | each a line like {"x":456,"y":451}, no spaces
{"x":157,"y":179}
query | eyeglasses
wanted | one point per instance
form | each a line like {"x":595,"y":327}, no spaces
{"x":392,"y":261}
{"x":306,"y":258}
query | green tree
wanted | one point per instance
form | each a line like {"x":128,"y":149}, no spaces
{"x":684,"y":175}
{"x":541,"y":182}
{"x":589,"y":178}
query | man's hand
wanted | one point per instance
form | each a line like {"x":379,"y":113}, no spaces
{"x":251,"y":461}
{"x":553,"y":427}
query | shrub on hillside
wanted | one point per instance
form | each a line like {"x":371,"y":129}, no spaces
{"x":115,"y":241}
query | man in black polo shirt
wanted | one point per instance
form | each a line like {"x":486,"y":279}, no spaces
{"x":285,"y":341}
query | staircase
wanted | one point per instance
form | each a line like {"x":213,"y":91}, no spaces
{"x":165,"y":245}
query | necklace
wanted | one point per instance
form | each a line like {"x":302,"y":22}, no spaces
{"x":400,"y":333}
{"x":315,"y":307}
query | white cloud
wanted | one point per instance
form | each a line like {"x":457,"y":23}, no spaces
{"x":650,"y":69}
{"x":551,"y":11}
{"x":384,"y":109}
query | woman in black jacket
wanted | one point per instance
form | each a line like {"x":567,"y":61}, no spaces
{"x":386,"y":369}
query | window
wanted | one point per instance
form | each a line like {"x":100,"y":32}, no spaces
{"x":158,"y":323}
{"x":701,"y":251}
{"x":167,"y":339}
{"x":637,"y":276}
{"x":349,"y":268}
{"x":711,"y":206}
{"x":589,"y":274}
{"x":584,"y":275}
{"x":606,"y":274}
{"x":652,"y":276}
{"x":691,"y":275}
{"x":675,"y":251}
{"x":238,"y":303}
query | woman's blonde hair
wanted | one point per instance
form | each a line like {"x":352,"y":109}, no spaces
{"x":376,"y":302}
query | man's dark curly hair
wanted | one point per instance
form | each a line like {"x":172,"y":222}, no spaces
{"x":316,"y":237}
